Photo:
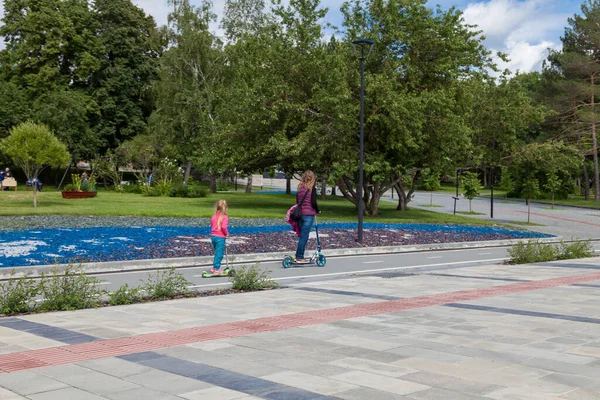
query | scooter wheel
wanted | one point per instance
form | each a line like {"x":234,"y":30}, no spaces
{"x":287,"y":262}
{"x":321,"y":260}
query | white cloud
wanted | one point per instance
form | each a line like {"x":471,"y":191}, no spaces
{"x":524,"y":30}
{"x":525,"y":57}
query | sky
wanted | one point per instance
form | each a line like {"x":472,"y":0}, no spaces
{"x":523,"y":29}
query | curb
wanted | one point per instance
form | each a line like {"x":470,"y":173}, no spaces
{"x":98,"y":268}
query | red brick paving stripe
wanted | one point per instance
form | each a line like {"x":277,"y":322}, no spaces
{"x":152,"y":341}
{"x":559,"y":218}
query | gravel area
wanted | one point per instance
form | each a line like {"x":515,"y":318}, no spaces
{"x":49,"y":240}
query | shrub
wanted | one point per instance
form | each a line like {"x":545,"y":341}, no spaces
{"x":252,"y":278}
{"x":133,"y":188}
{"x":534,"y":251}
{"x":577,"y":249}
{"x":124,"y":295}
{"x":195,"y":191}
{"x":166,"y":283}
{"x":18,"y":295}
{"x":179,"y":190}
{"x":71,"y":290}
{"x":190,"y":190}
{"x":223,"y":185}
{"x":70,"y":188}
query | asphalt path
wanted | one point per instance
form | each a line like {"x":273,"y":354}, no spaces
{"x":563,"y":221}
{"x":336,"y":268}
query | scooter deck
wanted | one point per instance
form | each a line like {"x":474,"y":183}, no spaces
{"x":290,"y":262}
{"x":226,"y":272}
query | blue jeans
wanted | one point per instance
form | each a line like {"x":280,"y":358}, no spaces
{"x":306,"y":224}
{"x":219,"y":247}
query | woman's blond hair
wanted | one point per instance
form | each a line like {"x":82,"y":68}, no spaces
{"x":220,"y":210}
{"x":308,"y":180}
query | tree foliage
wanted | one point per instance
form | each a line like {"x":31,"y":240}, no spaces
{"x":33,"y":147}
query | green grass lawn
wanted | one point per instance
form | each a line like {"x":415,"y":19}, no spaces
{"x":241,"y":205}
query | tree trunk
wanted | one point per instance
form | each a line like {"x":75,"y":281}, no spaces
{"x":324,"y":188}
{"x":213,"y":181}
{"x":403,"y":197}
{"x":249,"y":183}
{"x":188,"y":171}
{"x":373,"y":205}
{"x":288,"y":184}
{"x":595,"y":151}
{"x":333,"y":192}
{"x":34,"y":193}
{"x":431,"y":199}
{"x":485,"y":177}
{"x":470,"y":208}
{"x":528,"y":210}
{"x":553,"y":200}
{"x":586,"y":182}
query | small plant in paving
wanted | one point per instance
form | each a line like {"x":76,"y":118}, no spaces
{"x":124,"y":295}
{"x":531,"y":252}
{"x":252,"y":278}
{"x":165,"y":284}
{"x":17,"y":295}
{"x":69,"y":290}
{"x":577,"y":249}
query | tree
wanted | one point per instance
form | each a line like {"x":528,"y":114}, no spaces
{"x":13,"y":107}
{"x":536,"y":160}
{"x":189,"y":88}
{"x":33,"y":147}
{"x":431,"y":183}
{"x":143,"y":153}
{"x":69,"y":114}
{"x":531,"y":190}
{"x":130,"y":45}
{"x":507,"y":183}
{"x":416,"y":81}
{"x":471,"y":186}
{"x":553,"y":184}
{"x":576,"y":69}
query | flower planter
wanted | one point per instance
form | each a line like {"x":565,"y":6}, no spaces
{"x":77,"y":195}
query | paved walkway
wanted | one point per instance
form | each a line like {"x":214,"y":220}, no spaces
{"x":479,"y":332}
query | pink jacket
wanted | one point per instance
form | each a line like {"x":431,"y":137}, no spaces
{"x":215,"y":231}
{"x":289,"y":220}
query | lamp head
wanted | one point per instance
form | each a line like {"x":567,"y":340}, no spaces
{"x":363,"y":44}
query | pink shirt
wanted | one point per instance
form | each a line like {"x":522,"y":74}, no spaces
{"x":215,"y":231}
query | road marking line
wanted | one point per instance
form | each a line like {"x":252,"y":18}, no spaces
{"x":285,"y":278}
{"x":435,"y":257}
{"x":372,"y":262}
{"x":483,"y":254}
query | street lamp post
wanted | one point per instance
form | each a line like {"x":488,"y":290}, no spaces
{"x":365,"y":46}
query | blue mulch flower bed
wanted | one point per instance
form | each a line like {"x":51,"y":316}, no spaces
{"x":88,"y":239}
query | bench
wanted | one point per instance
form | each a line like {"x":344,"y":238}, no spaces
{"x":9,"y":182}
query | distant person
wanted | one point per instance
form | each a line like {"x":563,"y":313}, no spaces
{"x":306,"y":198}
{"x":1,"y":179}
{"x":36,"y":182}
{"x":84,"y":177}
{"x":218,"y":235}
{"x":7,"y":173}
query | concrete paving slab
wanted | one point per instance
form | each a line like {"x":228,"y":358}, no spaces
{"x":531,"y":346}
{"x":27,"y":383}
{"x":69,"y":393}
